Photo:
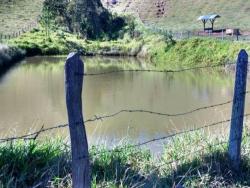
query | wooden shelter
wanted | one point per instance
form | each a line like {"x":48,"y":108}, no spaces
{"x":211,"y":18}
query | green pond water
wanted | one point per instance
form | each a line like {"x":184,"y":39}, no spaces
{"x":32,"y":95}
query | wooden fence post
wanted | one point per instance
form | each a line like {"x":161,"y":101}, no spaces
{"x":237,"y":118}
{"x":74,"y":70}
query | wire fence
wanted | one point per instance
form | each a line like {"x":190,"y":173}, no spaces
{"x":186,"y":34}
{"x":158,"y":71}
{"x":15,"y":34}
{"x":34,"y":136}
{"x":99,"y":118}
{"x":191,"y":153}
{"x":121,"y":148}
{"x":118,"y":149}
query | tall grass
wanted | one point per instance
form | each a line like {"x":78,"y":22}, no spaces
{"x":61,"y":43}
{"x":155,"y":48}
{"x":197,"y":160}
{"x":195,"y":52}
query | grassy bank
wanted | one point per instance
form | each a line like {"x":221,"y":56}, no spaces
{"x":61,"y":43}
{"x":197,"y":160}
{"x":161,"y":51}
{"x":195,"y":52}
{"x":8,"y":56}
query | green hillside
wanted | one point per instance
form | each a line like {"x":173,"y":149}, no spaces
{"x":170,"y":14}
{"x":16,"y":15}
{"x":183,"y":14}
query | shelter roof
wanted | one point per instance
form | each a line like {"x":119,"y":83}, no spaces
{"x":209,"y":17}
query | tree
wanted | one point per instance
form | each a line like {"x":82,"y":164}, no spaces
{"x":91,"y":17}
{"x":46,"y":21}
{"x":87,"y":18}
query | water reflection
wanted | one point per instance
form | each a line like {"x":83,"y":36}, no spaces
{"x":32,"y":95}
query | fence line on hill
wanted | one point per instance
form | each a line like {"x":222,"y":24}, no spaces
{"x":17,"y":33}
{"x":186,"y":34}
{"x":177,"y":35}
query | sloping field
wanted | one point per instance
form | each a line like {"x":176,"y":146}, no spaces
{"x":16,"y":15}
{"x":171,"y":14}
{"x":183,"y":14}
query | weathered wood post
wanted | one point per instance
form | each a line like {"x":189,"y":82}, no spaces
{"x":74,"y":70}
{"x":237,"y":118}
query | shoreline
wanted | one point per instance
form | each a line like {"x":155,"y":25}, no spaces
{"x":154,"y":49}
{"x":9,"y":56}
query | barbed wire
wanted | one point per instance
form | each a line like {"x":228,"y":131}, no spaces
{"x":28,"y":27}
{"x":166,"y":163}
{"x":160,"y":113}
{"x":35,"y":134}
{"x":118,"y":150}
{"x":155,"y":71}
{"x":180,"y":133}
{"x":190,"y":153}
{"x":97,"y":118}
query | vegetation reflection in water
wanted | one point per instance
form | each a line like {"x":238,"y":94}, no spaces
{"x":34,"y":92}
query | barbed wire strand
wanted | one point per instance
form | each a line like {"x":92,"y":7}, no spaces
{"x":155,"y":71}
{"x":27,"y":136}
{"x":97,"y":118}
{"x":157,"y":167}
{"x":179,"y":133}
{"x":118,"y":150}
{"x":188,"y":154}
{"x":165,"y":114}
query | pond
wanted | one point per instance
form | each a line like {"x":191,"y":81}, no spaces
{"x":32,"y":95}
